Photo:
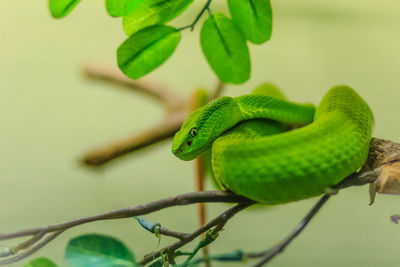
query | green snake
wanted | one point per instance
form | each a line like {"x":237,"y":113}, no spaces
{"x":274,"y":151}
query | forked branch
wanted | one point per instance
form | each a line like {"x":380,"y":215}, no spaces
{"x":176,"y":111}
{"x":382,"y":166}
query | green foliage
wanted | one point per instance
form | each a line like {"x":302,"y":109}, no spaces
{"x":147,"y":49}
{"x":98,"y":250}
{"x":225,"y":49}
{"x":151,"y":42}
{"x":118,"y":8}
{"x":61,"y":8}
{"x":40,"y":262}
{"x":152,"y":12}
{"x":254,"y":18}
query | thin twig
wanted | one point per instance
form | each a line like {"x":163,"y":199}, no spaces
{"x":167,"y":97}
{"x":176,"y":112}
{"x":193,"y":24}
{"x":29,"y":242}
{"x":30,"y":250}
{"x":275,"y":250}
{"x":157,"y":229}
{"x":225,"y":216}
{"x":180,"y":200}
{"x":218,"y":90}
{"x":177,"y":109}
{"x":179,"y":235}
{"x":157,"y":133}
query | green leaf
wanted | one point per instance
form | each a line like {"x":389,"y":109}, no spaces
{"x":152,"y":12}
{"x":61,"y":8}
{"x":254,"y":18}
{"x":98,"y":250}
{"x":40,"y":262}
{"x":118,"y":8}
{"x":225,"y":49}
{"x":147,"y":49}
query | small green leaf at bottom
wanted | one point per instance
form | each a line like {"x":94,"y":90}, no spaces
{"x":40,"y":262}
{"x":98,"y":250}
{"x":147,"y":49}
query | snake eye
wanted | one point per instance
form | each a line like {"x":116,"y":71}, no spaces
{"x":193,"y":131}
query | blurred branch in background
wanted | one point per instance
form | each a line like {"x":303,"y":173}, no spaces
{"x":176,"y":111}
{"x":395,"y":219}
{"x":381,"y":171}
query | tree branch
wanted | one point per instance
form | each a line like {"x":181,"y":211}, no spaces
{"x":275,"y":250}
{"x":177,"y":109}
{"x":384,"y":156}
{"x":220,"y":220}
{"x":184,"y":199}
{"x":193,"y":24}
{"x":168,"y":98}
{"x":157,"y":229}
{"x":32,"y":249}
{"x":176,"y":112}
{"x":218,"y":90}
{"x":180,"y":200}
{"x":155,"y":134}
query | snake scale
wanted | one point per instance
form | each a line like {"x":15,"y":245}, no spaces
{"x":274,"y":151}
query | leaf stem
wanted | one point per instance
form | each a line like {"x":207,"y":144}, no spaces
{"x":205,"y":8}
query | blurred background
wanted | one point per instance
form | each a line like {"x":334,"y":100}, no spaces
{"x":50,"y":115}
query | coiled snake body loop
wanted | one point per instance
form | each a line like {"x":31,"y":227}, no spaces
{"x":255,"y":155}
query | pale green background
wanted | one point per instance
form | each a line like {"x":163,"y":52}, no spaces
{"x":50,"y":115}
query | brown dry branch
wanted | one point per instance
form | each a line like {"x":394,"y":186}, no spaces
{"x":22,"y":253}
{"x":168,"y":98}
{"x":176,"y":111}
{"x":157,"y":133}
{"x":383,"y":155}
{"x":181,"y":200}
{"x":381,"y":170}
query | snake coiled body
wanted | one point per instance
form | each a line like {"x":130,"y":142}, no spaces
{"x":253,"y":155}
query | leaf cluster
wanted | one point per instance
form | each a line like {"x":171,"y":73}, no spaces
{"x":151,"y":41}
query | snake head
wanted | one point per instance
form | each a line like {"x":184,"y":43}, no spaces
{"x":189,"y":141}
{"x":203,"y":126}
